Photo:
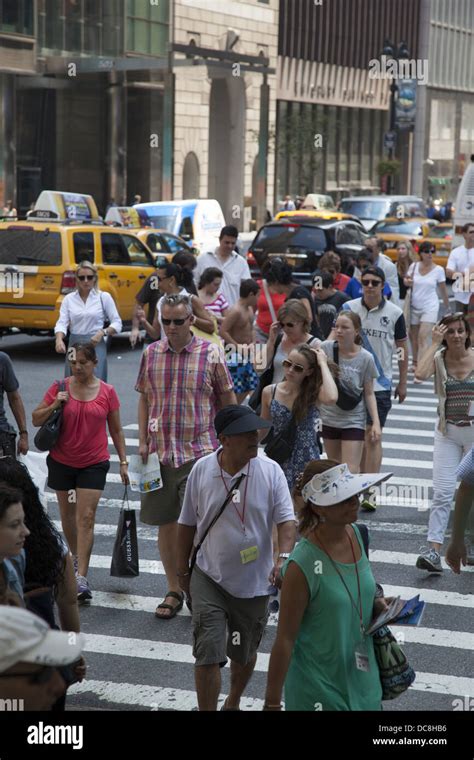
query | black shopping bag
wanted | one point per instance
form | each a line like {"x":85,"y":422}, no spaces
{"x":125,"y":554}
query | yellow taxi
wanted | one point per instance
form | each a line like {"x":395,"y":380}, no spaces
{"x":395,"y":230}
{"x":162,"y":243}
{"x":441,"y":237}
{"x":38,"y":257}
{"x":329,"y":215}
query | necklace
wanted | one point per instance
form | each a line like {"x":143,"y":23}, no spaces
{"x":357,"y":606}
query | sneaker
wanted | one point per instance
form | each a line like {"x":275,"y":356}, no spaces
{"x":83,"y":590}
{"x":429,"y":559}
{"x":368,"y":504}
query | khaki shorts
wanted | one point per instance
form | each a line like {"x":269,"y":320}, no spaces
{"x":225,"y":625}
{"x":164,"y":505}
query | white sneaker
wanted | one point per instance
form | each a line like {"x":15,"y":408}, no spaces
{"x":429,"y":559}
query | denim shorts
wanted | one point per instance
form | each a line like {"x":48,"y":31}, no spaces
{"x":384,"y":404}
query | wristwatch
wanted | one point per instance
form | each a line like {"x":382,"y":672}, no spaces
{"x":283,"y":555}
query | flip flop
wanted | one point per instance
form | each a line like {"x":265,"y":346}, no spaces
{"x":165,"y":606}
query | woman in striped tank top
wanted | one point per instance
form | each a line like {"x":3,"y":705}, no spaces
{"x":451,"y":360}
{"x":209,"y":284}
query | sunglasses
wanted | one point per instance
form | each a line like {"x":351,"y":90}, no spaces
{"x":375,"y":283}
{"x":38,"y":677}
{"x":429,"y":250}
{"x":83,"y":277}
{"x":160,"y":279}
{"x":287,"y":324}
{"x":177,"y":322}
{"x":297,"y":367}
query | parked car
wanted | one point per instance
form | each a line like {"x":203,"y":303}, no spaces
{"x":40,"y":254}
{"x":371,"y":209}
{"x":393,"y":231}
{"x":197,"y":221}
{"x":303,"y":240}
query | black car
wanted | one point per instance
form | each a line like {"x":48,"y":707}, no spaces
{"x":303,"y":241}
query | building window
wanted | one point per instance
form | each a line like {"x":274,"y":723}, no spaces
{"x":79,"y":26}
{"x":147,"y":27}
{"x":16,"y":17}
{"x":442,"y":129}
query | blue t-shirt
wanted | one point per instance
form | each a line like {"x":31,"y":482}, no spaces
{"x":354,"y":289}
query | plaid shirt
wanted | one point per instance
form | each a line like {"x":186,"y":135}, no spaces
{"x":182,"y":390}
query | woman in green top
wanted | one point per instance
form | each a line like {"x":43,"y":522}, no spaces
{"x":321,"y":651}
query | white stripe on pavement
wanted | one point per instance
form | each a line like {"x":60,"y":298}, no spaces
{"x":389,"y":430}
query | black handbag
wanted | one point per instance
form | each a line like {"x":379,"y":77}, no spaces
{"x":346,"y":400}
{"x":48,"y":433}
{"x":266,"y":378}
{"x":125,"y":562}
{"x":279,"y":446}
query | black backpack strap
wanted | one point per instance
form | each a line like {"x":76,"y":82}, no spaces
{"x":335,"y":349}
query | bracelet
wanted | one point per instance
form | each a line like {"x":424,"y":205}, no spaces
{"x":23,"y":432}
{"x":124,"y":462}
{"x":183,"y":575}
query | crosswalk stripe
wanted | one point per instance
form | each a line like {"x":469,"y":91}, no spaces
{"x":376,"y":556}
{"x":399,"y":414}
{"x":136,"y":603}
{"x":389,"y":430}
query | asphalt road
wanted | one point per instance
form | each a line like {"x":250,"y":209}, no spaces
{"x":139,"y":663}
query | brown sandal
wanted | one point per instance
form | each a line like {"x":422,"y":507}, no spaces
{"x":174,"y":609}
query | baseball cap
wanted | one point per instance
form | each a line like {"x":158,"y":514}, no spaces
{"x":376,"y":271}
{"x":235,"y":419}
{"x":25,"y":637}
{"x":338,"y":484}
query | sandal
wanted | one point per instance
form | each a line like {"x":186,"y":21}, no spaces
{"x":174,"y":609}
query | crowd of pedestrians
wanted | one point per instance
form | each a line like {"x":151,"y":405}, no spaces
{"x":326,"y":377}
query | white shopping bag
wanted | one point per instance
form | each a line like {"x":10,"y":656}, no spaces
{"x":144,"y":477}
{"x":35,"y":463}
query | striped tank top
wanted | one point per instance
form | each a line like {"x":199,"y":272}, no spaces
{"x":459,"y":395}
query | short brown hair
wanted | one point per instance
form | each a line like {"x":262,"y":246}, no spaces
{"x":458,"y":317}
{"x":295,"y":309}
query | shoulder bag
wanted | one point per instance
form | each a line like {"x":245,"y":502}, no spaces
{"x":396,"y":673}
{"x":346,"y":400}
{"x":48,"y":433}
{"x":408,"y":295}
{"x":266,"y":378}
{"x":280,"y":446}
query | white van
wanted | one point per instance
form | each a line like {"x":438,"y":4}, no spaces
{"x":464,"y":205}
{"x":318,"y":202}
{"x":198,"y":221}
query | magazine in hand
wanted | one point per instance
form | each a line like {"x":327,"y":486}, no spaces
{"x":144,"y":477}
{"x":401,"y":612}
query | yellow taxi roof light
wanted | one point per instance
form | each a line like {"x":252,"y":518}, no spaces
{"x":62,"y":206}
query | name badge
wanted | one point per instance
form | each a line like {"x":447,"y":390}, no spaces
{"x":362,"y":657}
{"x":250,"y":554}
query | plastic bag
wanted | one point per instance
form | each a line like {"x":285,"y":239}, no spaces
{"x":36,"y":465}
{"x":144,"y":477}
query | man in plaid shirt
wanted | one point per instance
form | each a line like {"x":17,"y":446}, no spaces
{"x":183,"y":380}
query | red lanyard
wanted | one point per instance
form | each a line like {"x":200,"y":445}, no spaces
{"x":241,"y":516}
{"x":358,"y":608}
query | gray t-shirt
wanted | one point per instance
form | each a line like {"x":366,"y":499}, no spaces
{"x":8,"y":384}
{"x":354,"y":373}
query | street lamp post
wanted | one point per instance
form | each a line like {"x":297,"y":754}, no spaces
{"x":396,"y":54}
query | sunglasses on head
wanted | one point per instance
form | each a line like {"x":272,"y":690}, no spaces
{"x":177,"y":322}
{"x":375,"y":283}
{"x":38,"y":677}
{"x":83,"y":277}
{"x":297,"y":367}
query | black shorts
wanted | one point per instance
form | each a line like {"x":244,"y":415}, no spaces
{"x":62,"y":477}
{"x":384,"y":404}
{"x":342,"y":434}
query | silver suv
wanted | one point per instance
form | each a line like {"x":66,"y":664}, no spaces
{"x":373,"y":208}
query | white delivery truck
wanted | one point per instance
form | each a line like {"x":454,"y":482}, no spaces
{"x":197,"y":221}
{"x":464,"y":205}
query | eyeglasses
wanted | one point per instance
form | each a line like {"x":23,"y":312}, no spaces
{"x":38,"y":677}
{"x":177,"y":322}
{"x":375,"y":283}
{"x":83,"y":277}
{"x":297,"y":367}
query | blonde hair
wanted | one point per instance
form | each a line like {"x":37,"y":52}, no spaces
{"x":403,"y":265}
{"x":92,"y":267}
{"x":355,"y":319}
{"x":295,"y":309}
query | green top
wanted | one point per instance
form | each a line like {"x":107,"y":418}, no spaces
{"x":323,"y":673}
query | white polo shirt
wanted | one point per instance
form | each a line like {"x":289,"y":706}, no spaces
{"x":234,"y":270}
{"x":460,"y":259}
{"x":267,"y":500}
{"x":381,"y":327}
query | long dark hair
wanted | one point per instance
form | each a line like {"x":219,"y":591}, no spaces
{"x":43,"y":547}
{"x":183,"y":276}
{"x":311,"y":384}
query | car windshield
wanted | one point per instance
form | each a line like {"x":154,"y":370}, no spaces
{"x":164,"y":221}
{"x":365,"y":209}
{"x":443,"y":232}
{"x":399,"y":228}
{"x":29,"y":247}
{"x":284,"y":238}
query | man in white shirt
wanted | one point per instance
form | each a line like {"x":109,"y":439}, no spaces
{"x":460,"y":267}
{"x":234,"y":268}
{"x":234,"y":566}
{"x":379,"y":259}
